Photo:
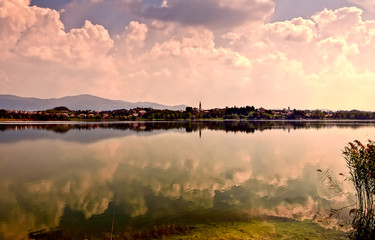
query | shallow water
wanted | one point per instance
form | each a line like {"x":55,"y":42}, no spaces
{"x":71,"y":175}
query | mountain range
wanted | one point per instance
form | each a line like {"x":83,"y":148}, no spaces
{"x":79,"y":102}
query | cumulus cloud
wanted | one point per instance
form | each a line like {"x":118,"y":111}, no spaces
{"x":34,"y":39}
{"x":298,"y":29}
{"x":303,"y":62}
{"x":132,"y":39}
{"x":210,"y":13}
{"x":320,"y":59}
{"x":366,"y":4}
{"x":39,"y":32}
{"x":188,"y":61}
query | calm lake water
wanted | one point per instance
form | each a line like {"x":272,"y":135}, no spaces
{"x":71,"y":175}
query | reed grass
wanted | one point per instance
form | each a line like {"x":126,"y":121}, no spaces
{"x":360,"y":160}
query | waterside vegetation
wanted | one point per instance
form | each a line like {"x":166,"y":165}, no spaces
{"x":359,"y":216}
{"x":190,"y":113}
{"x":360,"y":160}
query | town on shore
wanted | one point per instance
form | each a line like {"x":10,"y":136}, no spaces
{"x":190,"y":113}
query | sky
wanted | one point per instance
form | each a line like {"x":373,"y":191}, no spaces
{"x":275,"y":54}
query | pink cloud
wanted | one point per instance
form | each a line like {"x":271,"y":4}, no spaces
{"x":305,"y":63}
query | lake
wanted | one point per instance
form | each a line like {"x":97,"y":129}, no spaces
{"x":73,"y":176}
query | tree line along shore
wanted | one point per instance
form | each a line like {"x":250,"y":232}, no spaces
{"x":190,"y":113}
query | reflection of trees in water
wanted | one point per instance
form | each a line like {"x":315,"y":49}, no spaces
{"x":192,"y":126}
{"x":74,"y":224}
{"x":240,"y":194}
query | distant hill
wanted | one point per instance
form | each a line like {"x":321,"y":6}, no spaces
{"x":79,"y":102}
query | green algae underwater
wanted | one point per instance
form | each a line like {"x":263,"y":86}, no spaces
{"x":212,"y":225}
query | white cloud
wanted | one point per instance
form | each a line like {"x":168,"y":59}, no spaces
{"x":318,"y":61}
{"x":39,"y":33}
{"x":337,"y":22}
{"x":298,"y":29}
{"x":133,"y":37}
{"x":300,"y":62}
{"x":52,"y":61}
{"x":209,"y":13}
{"x":367,"y":4}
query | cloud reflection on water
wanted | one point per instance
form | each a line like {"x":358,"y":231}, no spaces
{"x":164,"y":175}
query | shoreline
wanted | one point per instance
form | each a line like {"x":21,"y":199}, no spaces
{"x":26,"y":121}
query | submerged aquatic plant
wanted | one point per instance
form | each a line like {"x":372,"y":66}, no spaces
{"x":337,"y":216}
{"x":360,"y":160}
